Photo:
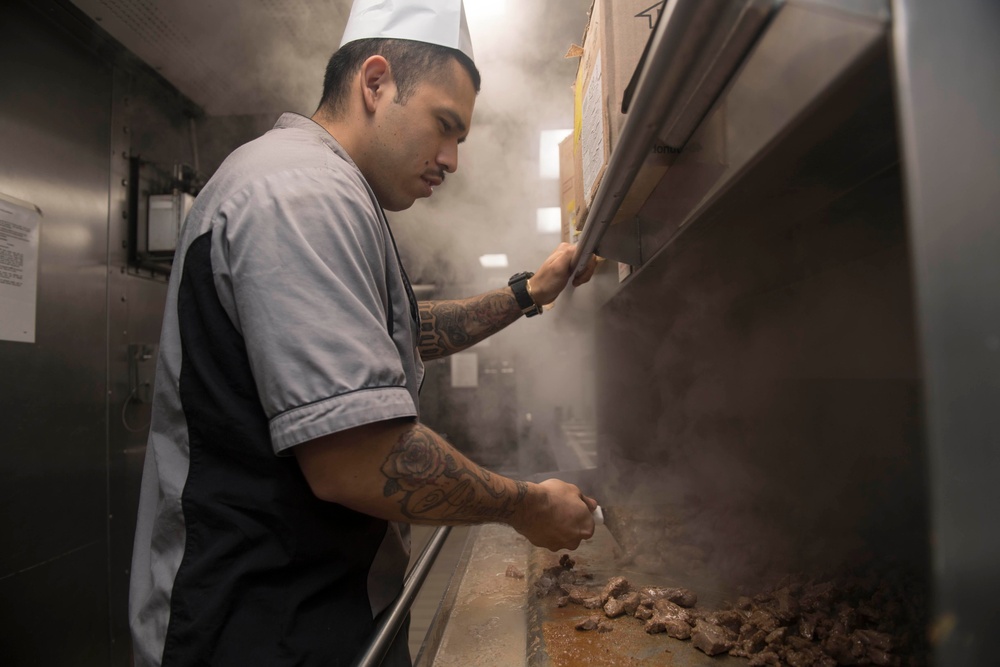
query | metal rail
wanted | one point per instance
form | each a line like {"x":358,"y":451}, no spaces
{"x":393,"y":617}
{"x":659,"y":80}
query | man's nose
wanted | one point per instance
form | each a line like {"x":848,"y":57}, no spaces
{"x":448,"y":157}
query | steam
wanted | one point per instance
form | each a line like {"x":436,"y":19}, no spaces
{"x":759,"y":440}
{"x":489,"y":206}
{"x":780,"y":378}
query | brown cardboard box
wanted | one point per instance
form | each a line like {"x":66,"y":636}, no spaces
{"x":592,"y":125}
{"x":567,"y":187}
{"x":628,"y":25}
{"x":613,"y":43}
{"x":578,"y":197}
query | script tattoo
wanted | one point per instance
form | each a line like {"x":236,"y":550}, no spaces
{"x":447,"y":327}
{"x":433,"y":485}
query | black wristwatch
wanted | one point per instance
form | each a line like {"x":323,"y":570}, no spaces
{"x":519,"y":283}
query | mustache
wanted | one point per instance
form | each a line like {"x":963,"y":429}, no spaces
{"x":436,"y":174}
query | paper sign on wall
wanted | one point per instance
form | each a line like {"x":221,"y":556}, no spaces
{"x":465,"y":370}
{"x":19,"y":231}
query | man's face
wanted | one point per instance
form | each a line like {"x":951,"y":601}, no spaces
{"x":416,"y":143}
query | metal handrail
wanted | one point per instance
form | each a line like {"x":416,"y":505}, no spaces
{"x":393,"y":617}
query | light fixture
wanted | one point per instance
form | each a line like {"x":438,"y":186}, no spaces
{"x":548,"y":152}
{"x":498,"y":261}
{"x":549,"y":220}
{"x":478,"y":11}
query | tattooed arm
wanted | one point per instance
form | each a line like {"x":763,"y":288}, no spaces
{"x":447,"y":327}
{"x":402,"y":471}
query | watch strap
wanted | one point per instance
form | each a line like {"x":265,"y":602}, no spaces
{"x":519,"y":285}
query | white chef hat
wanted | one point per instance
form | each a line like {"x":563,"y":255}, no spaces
{"x":439,"y":22}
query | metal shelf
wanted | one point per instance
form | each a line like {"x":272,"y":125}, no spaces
{"x":693,"y":50}
{"x":723,"y":84}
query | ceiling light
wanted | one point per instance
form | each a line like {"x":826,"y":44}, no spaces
{"x":549,"y":220}
{"x":548,"y":152}
{"x":480,"y":10}
{"x":493,"y":261}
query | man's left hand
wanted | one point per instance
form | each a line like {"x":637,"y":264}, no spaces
{"x":555,"y":272}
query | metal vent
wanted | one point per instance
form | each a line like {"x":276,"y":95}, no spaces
{"x":231,"y":56}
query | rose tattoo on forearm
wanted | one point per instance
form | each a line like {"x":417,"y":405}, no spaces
{"x":434,"y":486}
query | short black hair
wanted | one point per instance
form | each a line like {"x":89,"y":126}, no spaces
{"x":411,"y":63}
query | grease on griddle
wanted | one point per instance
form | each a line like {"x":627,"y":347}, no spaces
{"x":594,"y":623}
{"x":801,"y":622}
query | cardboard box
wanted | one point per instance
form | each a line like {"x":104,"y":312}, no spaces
{"x":613,"y":43}
{"x":567,"y":187}
{"x":590,"y":114}
{"x":578,"y":196}
{"x":628,"y":25}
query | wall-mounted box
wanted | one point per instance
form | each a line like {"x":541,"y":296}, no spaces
{"x":166,"y":216}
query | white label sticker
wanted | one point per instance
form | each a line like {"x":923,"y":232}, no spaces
{"x":592,"y":130}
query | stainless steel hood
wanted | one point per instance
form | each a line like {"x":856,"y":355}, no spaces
{"x":247,"y":57}
{"x":929,"y":70}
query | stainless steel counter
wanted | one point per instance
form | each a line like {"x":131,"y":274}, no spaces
{"x":488,"y":619}
{"x":482,"y":621}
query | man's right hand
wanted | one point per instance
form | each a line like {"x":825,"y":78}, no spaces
{"x":403,"y":471}
{"x":555,"y":515}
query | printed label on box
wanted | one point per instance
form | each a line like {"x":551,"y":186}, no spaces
{"x":592,"y":131}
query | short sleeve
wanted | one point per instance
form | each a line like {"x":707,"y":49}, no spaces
{"x":303,"y":257}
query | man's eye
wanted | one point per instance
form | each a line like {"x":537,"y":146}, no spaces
{"x":445,"y":126}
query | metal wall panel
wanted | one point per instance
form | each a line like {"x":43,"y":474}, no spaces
{"x":152,"y":121}
{"x":54,"y":129}
{"x":127,"y":420}
{"x":73,"y":109}
{"x":947,"y":57}
{"x":56,"y":612}
{"x":762,"y":373}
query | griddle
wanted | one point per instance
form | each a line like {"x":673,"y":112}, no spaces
{"x":553,"y":640}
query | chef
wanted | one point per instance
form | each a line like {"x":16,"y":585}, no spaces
{"x":286,"y":456}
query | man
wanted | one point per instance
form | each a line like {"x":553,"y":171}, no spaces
{"x":285,"y":455}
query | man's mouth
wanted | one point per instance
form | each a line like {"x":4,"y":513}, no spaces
{"x":433,"y":181}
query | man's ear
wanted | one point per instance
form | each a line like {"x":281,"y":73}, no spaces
{"x":375,"y":77}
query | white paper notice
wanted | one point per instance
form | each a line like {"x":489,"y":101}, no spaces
{"x":19,"y":229}
{"x":465,"y":369}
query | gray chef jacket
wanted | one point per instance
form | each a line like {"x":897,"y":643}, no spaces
{"x":288,"y":318}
